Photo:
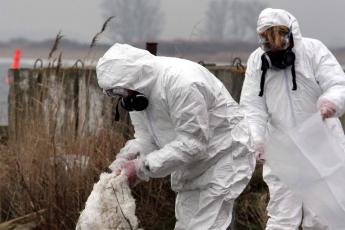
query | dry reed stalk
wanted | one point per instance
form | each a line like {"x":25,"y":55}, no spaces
{"x":51,"y":183}
{"x":59,"y":63}
{"x":55,"y":45}
{"x":104,"y":26}
{"x":96,"y":37}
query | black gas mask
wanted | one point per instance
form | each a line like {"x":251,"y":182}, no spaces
{"x":134,"y":102}
{"x":279,"y":59}
{"x":128,"y":99}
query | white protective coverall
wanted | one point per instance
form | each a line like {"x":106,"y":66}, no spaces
{"x":192,"y":130}
{"x":319,"y":77}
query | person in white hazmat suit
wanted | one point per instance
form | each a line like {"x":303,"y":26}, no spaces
{"x":186,"y":125}
{"x":288,"y":78}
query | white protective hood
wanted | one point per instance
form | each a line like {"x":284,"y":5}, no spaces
{"x":190,"y":124}
{"x":125,"y":66}
{"x":277,"y":17}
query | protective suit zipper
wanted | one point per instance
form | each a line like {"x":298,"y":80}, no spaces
{"x":155,"y":138}
{"x":288,"y":90}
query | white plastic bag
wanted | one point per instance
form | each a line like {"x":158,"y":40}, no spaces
{"x":312,"y":163}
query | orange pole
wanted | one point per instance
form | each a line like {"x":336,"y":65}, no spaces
{"x":16,"y":59}
{"x":15,"y":64}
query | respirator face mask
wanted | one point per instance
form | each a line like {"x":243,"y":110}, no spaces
{"x":277,"y":57}
{"x":282,"y":56}
{"x":129,"y":100}
{"x":134,"y":102}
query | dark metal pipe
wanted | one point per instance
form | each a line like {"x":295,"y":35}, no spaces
{"x":152,"y":47}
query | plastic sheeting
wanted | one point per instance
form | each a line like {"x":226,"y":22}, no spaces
{"x":312,"y":163}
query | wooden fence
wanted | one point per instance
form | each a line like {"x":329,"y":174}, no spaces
{"x":67,"y":103}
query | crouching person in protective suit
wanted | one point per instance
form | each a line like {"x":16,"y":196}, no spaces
{"x":186,"y":125}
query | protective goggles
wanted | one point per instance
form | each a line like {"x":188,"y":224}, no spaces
{"x":116,"y":91}
{"x":268,"y":46}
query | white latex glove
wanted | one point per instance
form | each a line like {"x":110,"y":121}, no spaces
{"x":327,"y":109}
{"x":259,"y":153}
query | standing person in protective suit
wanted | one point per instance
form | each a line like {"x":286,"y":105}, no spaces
{"x":287,"y":79}
{"x":186,"y":125}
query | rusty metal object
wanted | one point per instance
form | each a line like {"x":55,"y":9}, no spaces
{"x":152,"y":47}
{"x":78,"y":62}
{"x":236,"y":62}
{"x":38,"y":60}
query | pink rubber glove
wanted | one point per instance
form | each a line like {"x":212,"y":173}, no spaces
{"x":327,"y":109}
{"x":132,"y":169}
{"x":118,"y":165}
{"x":259,"y":153}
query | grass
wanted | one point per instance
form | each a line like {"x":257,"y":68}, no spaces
{"x":39,"y":174}
{"x":36,"y":177}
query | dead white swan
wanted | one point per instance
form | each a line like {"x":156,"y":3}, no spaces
{"x":109,"y":206}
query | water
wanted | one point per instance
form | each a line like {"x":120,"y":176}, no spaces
{"x":4,"y":88}
{"x":5,"y":65}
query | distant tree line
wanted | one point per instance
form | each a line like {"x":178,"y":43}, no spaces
{"x":143,"y":20}
{"x":232,"y":20}
{"x":134,"y":20}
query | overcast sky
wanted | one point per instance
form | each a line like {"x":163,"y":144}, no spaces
{"x":81,"y":19}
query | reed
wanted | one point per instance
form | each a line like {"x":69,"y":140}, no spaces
{"x":55,"y":44}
